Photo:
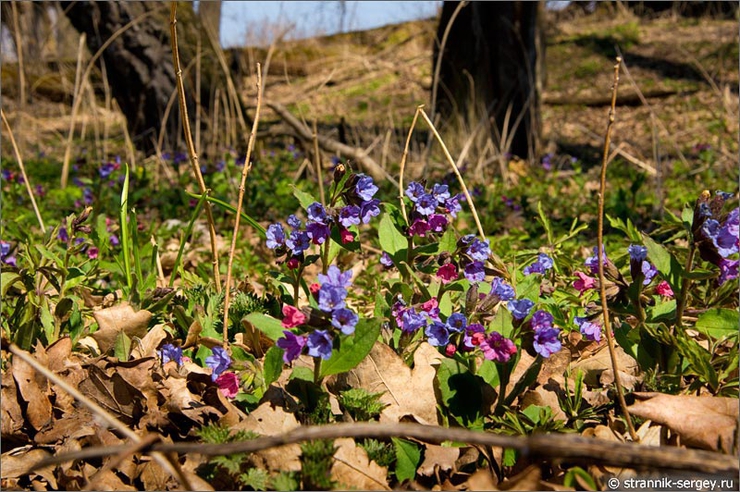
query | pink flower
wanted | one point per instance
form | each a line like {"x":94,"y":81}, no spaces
{"x":429,"y":305}
{"x":447,"y":273}
{"x":314,"y":288}
{"x":450,"y":350}
{"x":346,"y":236}
{"x":92,"y":252}
{"x":292,"y":317}
{"x":584,"y":282}
{"x":228,"y":383}
{"x":664,"y":289}
{"x":293,"y":263}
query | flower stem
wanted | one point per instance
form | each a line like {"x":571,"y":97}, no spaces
{"x":681,"y":307}
{"x":317,"y":370}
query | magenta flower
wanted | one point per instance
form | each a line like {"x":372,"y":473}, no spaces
{"x":420,"y":227}
{"x":664,"y":289}
{"x":447,"y":273}
{"x":292,"y":317}
{"x":583,"y":283}
{"x":228,"y":384}
{"x":497,"y":348}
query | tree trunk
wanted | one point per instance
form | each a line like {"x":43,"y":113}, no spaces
{"x":492,"y":65}
{"x":138,"y":63}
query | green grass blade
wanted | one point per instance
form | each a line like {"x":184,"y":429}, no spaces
{"x":188,"y":232}
{"x":125,"y":241}
{"x":231,"y":209}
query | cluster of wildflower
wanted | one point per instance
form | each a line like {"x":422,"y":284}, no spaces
{"x":219,"y":362}
{"x":589,"y":329}
{"x":360,"y":208}
{"x":639,"y":264}
{"x":718,"y":237}
{"x":541,"y":265}
{"x":471,"y":261}
{"x":429,"y":206}
{"x":331,"y":294}
{"x":546,"y":341}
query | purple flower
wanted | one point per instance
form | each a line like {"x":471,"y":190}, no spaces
{"x":319,"y":344}
{"x":62,"y":234}
{"x":92,"y":252}
{"x":218,"y":361}
{"x":520,"y":308}
{"x":503,"y":290}
{"x":479,"y":250}
{"x":334,"y":276}
{"x":275,"y":236}
{"x":426,"y":204}
{"x":114,"y":240}
{"x":456,"y":322}
{"x":106,"y":169}
{"x":331,"y":297}
{"x":365,"y":187}
{"x":298,"y":242}
{"x":637,"y":253}
{"x":497,"y":348}
{"x":317,"y":213}
{"x":7,"y":175}
{"x":728,"y":237}
{"x":369,"y":210}
{"x":592,"y":262}
{"x":318,"y":232}
{"x":437,"y":222}
{"x":420,"y":227}
{"x":292,"y":345}
{"x":543,"y":264}
{"x":727,"y":270}
{"x":469,"y":332}
{"x":441,"y":193}
{"x":452,"y":205}
{"x":589,"y":330}
{"x":437,"y":334}
{"x":170,"y":352}
{"x":87,"y":196}
{"x":345,"y":320}
{"x":649,"y":271}
{"x":5,"y":255}
{"x":414,"y":191}
{"x":474,"y":271}
{"x":546,"y":341}
{"x":349,"y":215}
{"x":541,"y":319}
{"x":386,"y":260}
{"x":412,"y":321}
{"x":294,"y":221}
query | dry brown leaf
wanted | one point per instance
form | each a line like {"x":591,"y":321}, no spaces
{"x":353,"y":470}
{"x":34,"y":389}
{"x":482,"y":479}
{"x":57,"y":354}
{"x":11,"y":415}
{"x":147,"y":346}
{"x":18,"y":462}
{"x":69,"y":427}
{"x":108,"y":480}
{"x":268,"y":420}
{"x":544,"y":396}
{"x":703,"y":422}
{"x":528,"y":479}
{"x":600,"y":361}
{"x":407,"y":392}
{"x":117,"y":319}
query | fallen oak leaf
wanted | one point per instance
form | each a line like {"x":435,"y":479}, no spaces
{"x":118,"y":319}
{"x":353,"y":469}
{"x":34,"y":389}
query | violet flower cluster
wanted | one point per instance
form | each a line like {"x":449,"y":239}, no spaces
{"x":427,"y":215}
{"x":717,"y":237}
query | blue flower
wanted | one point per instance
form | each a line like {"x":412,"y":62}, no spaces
{"x":503,"y":290}
{"x":298,"y":242}
{"x":292,"y":345}
{"x":589,"y":330}
{"x":334,"y":276}
{"x":170,"y":352}
{"x":649,"y":271}
{"x":479,"y":250}
{"x":546,"y":341}
{"x":319,"y":344}
{"x":331,"y":297}
{"x":457,"y":322}
{"x":349,"y":215}
{"x":369,"y":209}
{"x":541,"y":319}
{"x":62,"y":234}
{"x":318,"y":232}
{"x":386,"y":260}
{"x":437,"y":334}
{"x":592,"y":262}
{"x":317,"y":213}
{"x":412,"y":321}
{"x":728,"y":238}
{"x":474,"y":271}
{"x":426,"y":204}
{"x":218,"y":361}
{"x":452,"y":205}
{"x":543,"y":264}
{"x":414,"y":191}
{"x":365,"y":187}
{"x":441,"y":193}
{"x":345,"y":320}
{"x":520,"y":308}
{"x":275,"y":236}
{"x":294,"y":221}
{"x":106,"y":169}
{"x":637,"y":253}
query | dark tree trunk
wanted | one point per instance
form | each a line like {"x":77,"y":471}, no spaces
{"x":492,"y":61}
{"x":138,"y":63}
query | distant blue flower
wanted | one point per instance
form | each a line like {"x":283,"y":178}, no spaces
{"x":365,"y":187}
{"x":292,"y":345}
{"x":218,"y":361}
{"x":467,"y":239}
{"x":334,"y":276}
{"x":349,"y":215}
{"x":541,"y":319}
{"x":170,"y":352}
{"x":520,"y":308}
{"x":87,"y":196}
{"x":318,"y":232}
{"x":7,"y":175}
{"x":542,"y":265}
{"x":5,"y":255}
{"x":106,"y":169}
{"x":441,"y":193}
{"x":437,"y":334}
{"x":457,"y":322}
{"x":294,"y":221}
{"x":319,"y":344}
{"x":411,"y":320}
{"x":503,"y":290}
{"x":345,"y":320}
{"x":369,"y":209}
{"x":62,"y":234}
{"x":592,"y":262}
{"x":317,"y":213}
{"x":331,"y":297}
{"x":637,"y":253}
{"x":452,"y":205}
{"x":426,"y":204}
{"x":589,"y":330}
{"x":275,"y":236}
{"x":386,"y":260}
{"x":649,"y":271}
{"x":414,"y":191}
{"x":546,"y":341}
{"x":114,"y":241}
{"x":220,"y":165}
{"x":298,"y":242}
{"x":474,"y":271}
{"x":479,"y":250}
{"x":728,"y":238}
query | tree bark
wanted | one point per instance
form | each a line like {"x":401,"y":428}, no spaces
{"x":492,"y":61}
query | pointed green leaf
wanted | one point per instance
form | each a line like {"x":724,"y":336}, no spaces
{"x":305,"y":199}
{"x":391,"y":239}
{"x":408,"y":457}
{"x":273,"y":365}
{"x":719,"y":323}
{"x":268,"y":325}
{"x":352,"y":348}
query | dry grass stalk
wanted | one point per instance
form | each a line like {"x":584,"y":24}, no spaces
{"x":405,"y":155}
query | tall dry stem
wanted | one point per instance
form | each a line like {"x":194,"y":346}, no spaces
{"x":189,"y":142}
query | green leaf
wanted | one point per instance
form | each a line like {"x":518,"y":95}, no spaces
{"x":545,"y":222}
{"x":445,"y":304}
{"x":231,"y":209}
{"x":273,"y":365}
{"x":125,"y":241}
{"x":305,"y":199}
{"x":268,"y":325}
{"x":502,"y":323}
{"x":391,"y":239}
{"x":448,"y":242}
{"x":408,"y":456}
{"x":687,"y":216}
{"x":122,"y":347}
{"x":529,"y":288}
{"x":75,"y":277}
{"x":719,"y":323}
{"x":489,"y":373}
{"x":665,"y":262}
{"x":663,"y":311}
{"x":460,"y":390}
{"x":353,"y":348}
{"x":7,"y":279}
{"x":573,"y":474}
